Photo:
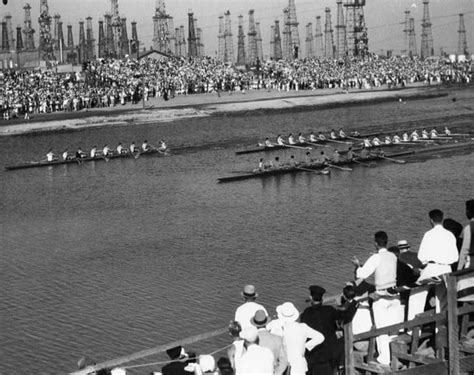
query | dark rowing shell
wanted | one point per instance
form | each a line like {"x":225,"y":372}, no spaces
{"x":38,"y":164}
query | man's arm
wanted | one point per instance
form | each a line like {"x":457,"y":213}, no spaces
{"x":363,"y":272}
{"x":281,"y":361}
{"x":466,"y":245}
{"x":315,"y":337}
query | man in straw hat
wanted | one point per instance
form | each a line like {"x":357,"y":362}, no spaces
{"x":297,"y":337}
{"x":257,"y":359}
{"x":409,"y":257}
{"x":247,"y":310}
{"x":270,"y":341}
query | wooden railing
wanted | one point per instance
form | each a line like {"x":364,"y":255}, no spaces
{"x":449,"y":319}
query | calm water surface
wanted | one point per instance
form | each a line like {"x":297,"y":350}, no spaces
{"x":105,"y":259}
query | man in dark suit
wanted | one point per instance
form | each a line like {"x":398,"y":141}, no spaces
{"x":179,"y":361}
{"x":324,"y":358}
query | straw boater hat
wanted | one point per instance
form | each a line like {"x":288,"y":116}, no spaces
{"x":287,"y":312}
{"x":249,"y":292}
{"x":403,"y":245}
{"x":260,"y":319}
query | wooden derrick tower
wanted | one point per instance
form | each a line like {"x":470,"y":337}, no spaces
{"x":356,"y":30}
{"x":241,"y":56}
{"x":341,"y":43}
{"x":462,"y":42}
{"x":45,"y":38}
{"x":328,"y":36}
{"x":277,"y":52}
{"x":192,"y":40}
{"x":426,"y":32}
{"x":252,"y":40}
{"x":28,"y":30}
{"x":163,"y":29}
{"x":318,"y":39}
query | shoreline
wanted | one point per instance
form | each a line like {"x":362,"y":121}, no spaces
{"x":203,"y":105}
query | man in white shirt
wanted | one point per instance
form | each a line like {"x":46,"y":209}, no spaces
{"x":247,"y":310}
{"x":257,"y":359}
{"x":387,"y":309}
{"x":437,"y":251}
{"x":466,"y":257}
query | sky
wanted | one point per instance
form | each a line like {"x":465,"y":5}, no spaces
{"x":384,"y":18}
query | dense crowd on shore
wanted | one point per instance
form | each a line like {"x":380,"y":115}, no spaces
{"x":109,"y":83}
{"x":311,"y":342}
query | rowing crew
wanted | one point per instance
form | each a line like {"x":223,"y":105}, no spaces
{"x":292,"y":140}
{"x":322,"y":160}
{"x":107,"y":151}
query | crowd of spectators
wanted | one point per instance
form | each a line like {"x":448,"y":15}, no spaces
{"x":108,"y":82}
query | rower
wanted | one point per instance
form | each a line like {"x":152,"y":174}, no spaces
{"x":336,"y":157}
{"x":350,"y":154}
{"x":312,"y":137}
{"x":162,"y":145}
{"x":80,"y":154}
{"x":323,"y":158}
{"x":308,"y":159}
{"x":133,"y":148}
{"x":106,"y":151}
{"x":268,"y":143}
{"x":301,"y":139}
{"x":388,"y":140}
{"x":425,"y":134}
{"x":434,"y":133}
{"x":277,"y":164}
{"x":376,"y":141}
{"x":66,"y":155}
{"x":261,"y":165}
{"x":291,"y":139}
{"x":321,"y":136}
{"x":364,"y":153}
{"x":292,"y":163}
{"x":414,"y":136}
{"x":50,"y":155}
{"x":93,"y":153}
{"x":367,"y":142}
{"x":121,"y":150}
{"x":333,"y":135}
{"x":355,"y":133}
{"x":145,"y":146}
{"x":342,"y":134}
{"x":405,"y":137}
{"x":280,"y":140}
{"x":396,"y":138}
{"x":447,"y":131}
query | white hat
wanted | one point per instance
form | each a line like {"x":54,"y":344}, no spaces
{"x":118,"y":371}
{"x":249,"y":334}
{"x":287,"y":312}
{"x":207,"y":363}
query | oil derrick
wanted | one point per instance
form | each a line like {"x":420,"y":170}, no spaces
{"x":229,"y":45}
{"x":5,"y":45}
{"x":70,"y":39}
{"x":272,"y":42}
{"x":45,"y":40}
{"x":318,"y":39}
{"x":101,"y":44}
{"x":340,"y":32}
{"x":124,"y":41}
{"x":116,"y":26}
{"x":172,"y":36}
{"x":182,"y":41}
{"x":426,"y":33}
{"x":252,"y":40}
{"x":286,"y":35}
{"x":109,"y":35}
{"x":294,"y":33}
{"x":406,"y":31}
{"x":241,"y":59}
{"x":356,"y":31}
{"x":412,"y":39}
{"x":220,"y":39}
{"x":28,"y":29}
{"x":277,"y":54}
{"x":462,"y":42}
{"x":60,"y":41}
{"x":161,"y":26}
{"x":309,"y":41}
{"x":56,"y":19}
{"x":259,"y":42}
{"x":90,"y":41}
{"x":328,"y":37}
{"x":200,"y":42}
{"x":192,"y":45}
{"x":81,"y":47}
{"x":19,"y":39}
{"x":134,"y":43}
{"x":11,"y":40}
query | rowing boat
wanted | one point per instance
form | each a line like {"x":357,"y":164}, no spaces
{"x":263,"y":148}
{"x":302,"y":168}
{"x":44,"y":163}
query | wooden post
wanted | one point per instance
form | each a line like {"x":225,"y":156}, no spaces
{"x":453,"y":328}
{"x":348,"y":350}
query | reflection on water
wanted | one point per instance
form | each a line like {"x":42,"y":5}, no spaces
{"x":105,"y":259}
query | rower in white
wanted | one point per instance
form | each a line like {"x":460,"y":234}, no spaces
{"x":447,"y":131}
{"x":66,"y":155}
{"x":321,"y":136}
{"x":291,"y":139}
{"x":93,"y":153}
{"x":414,"y":136}
{"x":342,"y":134}
{"x":80,"y":154}
{"x":388,"y":140}
{"x":336,"y":157}
{"x":312,"y":137}
{"x":425,"y":134}
{"x":301,"y":139}
{"x":145,"y":146}
{"x":405,"y":137}
{"x":280,"y":140}
{"x":121,"y":150}
{"x":376,"y":141}
{"x":434,"y":133}
{"x":106,"y":151}
{"x":162,"y":146}
{"x":396,"y":138}
{"x":133,"y":148}
{"x":50,"y":155}
{"x":333,"y":135}
{"x":268,"y":143}
{"x":367,"y":142}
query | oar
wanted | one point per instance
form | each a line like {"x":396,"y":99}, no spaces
{"x":309,"y":170}
{"x":355,"y":139}
{"x":317,"y":144}
{"x":333,"y":140}
{"x":338,"y":167}
{"x":391,"y":159}
{"x":361,"y":163}
{"x":298,"y":147}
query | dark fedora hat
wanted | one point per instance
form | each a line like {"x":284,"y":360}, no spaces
{"x":260,"y":319}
